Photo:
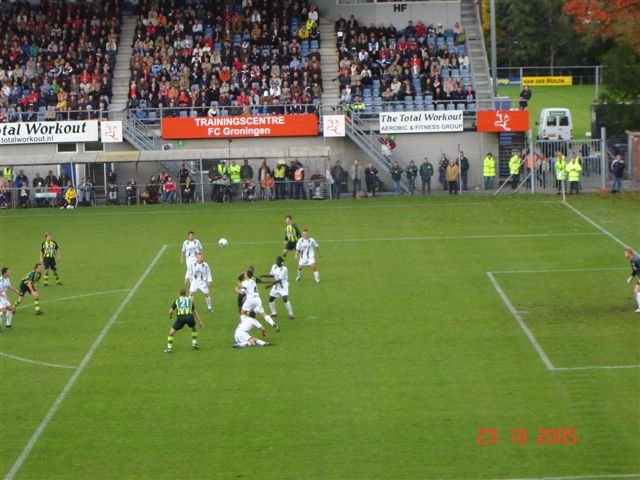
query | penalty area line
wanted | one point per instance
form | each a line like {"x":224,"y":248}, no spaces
{"x":578,"y":477}
{"x":75,"y":297}
{"x":43,"y":364}
{"x":85,"y":361}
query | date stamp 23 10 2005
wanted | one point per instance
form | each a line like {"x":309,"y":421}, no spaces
{"x":519,"y":436}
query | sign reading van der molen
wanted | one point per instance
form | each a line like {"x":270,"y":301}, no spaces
{"x":422,"y":122}
{"x":24,"y":133}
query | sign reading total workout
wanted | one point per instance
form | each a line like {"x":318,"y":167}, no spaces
{"x":24,"y":133}
{"x":422,"y":122}
{"x":240,"y":126}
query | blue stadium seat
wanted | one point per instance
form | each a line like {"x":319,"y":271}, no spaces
{"x":455,"y":73}
{"x":399,"y":107}
{"x":153,"y":115}
{"x":440,"y":106}
{"x":377,"y":108}
{"x":217,"y":46}
{"x":376,"y":83}
{"x":304,"y":44}
{"x":439,"y":41}
{"x":428,"y":99}
{"x":419,"y":98}
{"x":315,"y":44}
{"x":377,"y":100}
{"x":451,"y":106}
{"x":460,"y":106}
{"x":183,"y":114}
{"x":445,"y":73}
{"x":430,"y":107}
{"x":471,"y":107}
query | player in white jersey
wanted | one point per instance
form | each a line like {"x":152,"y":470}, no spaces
{"x":199,"y":278}
{"x":5,"y":302}
{"x":191,"y":247}
{"x":306,"y":255}
{"x":279,"y":287}
{"x":242,"y":336}
{"x":252,"y":302}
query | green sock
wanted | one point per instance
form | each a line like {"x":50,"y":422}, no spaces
{"x":194,"y":337}
{"x":36,"y":303}
{"x":46,"y":278}
{"x":170,"y":341}
{"x":56,"y":275}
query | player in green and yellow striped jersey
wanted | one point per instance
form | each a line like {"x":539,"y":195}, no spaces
{"x":186,"y":314}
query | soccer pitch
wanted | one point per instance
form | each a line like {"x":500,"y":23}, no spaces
{"x":435,"y":318}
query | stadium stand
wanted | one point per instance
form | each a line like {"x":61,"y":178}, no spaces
{"x":57,"y":58}
{"x":225,"y":59}
{"x":418,"y":67}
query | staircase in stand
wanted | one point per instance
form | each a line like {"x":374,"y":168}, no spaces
{"x":477,"y":53}
{"x":329,"y":63}
{"x":122,"y":70}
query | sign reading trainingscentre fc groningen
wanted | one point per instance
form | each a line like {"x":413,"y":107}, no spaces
{"x":48,"y":132}
{"x":422,"y":122}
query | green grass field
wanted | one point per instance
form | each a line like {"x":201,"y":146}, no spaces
{"x":390,"y":368}
{"x":577,"y":98}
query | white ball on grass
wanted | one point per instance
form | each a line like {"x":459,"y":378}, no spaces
{"x":223,"y":242}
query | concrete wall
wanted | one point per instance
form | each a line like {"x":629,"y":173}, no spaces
{"x":447,"y":12}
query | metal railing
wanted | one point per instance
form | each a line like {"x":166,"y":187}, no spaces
{"x":60,"y":115}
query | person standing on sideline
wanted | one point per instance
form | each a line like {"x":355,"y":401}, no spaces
{"x":356,"y":178}
{"x":489,"y":171}
{"x":559,"y":165}
{"x":574,"y":168}
{"x":463,"y":162}
{"x":396,"y":175}
{"x":426,"y":172}
{"x":411,"y":172}
{"x":514,"y":169}
{"x":371,"y":178}
{"x":635,"y":272}
{"x":337,"y":173}
{"x":327,"y":175}
{"x":525,"y":96}
{"x":452,"y":173}
{"x":617,"y":169}
{"x":186,"y":314}
{"x":442,"y":170}
{"x":543,"y":171}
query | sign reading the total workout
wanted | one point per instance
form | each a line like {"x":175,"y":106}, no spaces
{"x":503,"y":120}
{"x":240,"y":126}
{"x":548,"y":81}
{"x":421,"y":122}
{"x":24,"y":133}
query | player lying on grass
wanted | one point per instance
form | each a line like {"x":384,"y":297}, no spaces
{"x":186,"y":314}
{"x":635,"y":272}
{"x":5,"y":303}
{"x":28,"y":285}
{"x":279,"y":287}
{"x":242,"y":336}
{"x":252,"y":302}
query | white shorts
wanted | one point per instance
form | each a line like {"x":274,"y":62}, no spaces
{"x":307,"y":261}
{"x":242,"y":337}
{"x":278,"y":292}
{"x":253,"y":304}
{"x":199,"y":285}
{"x":4,"y":302}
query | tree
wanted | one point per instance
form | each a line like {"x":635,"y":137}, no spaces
{"x":616,"y":19}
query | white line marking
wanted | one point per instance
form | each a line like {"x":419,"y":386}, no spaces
{"x":74,"y":297}
{"x":523,"y":326}
{"x":290,"y":206}
{"x":602,"y":229}
{"x":578,"y":477}
{"x":410,"y":239}
{"x":561,"y":270}
{"x":85,"y":361}
{"x":597,"y":367}
{"x":44,"y":364}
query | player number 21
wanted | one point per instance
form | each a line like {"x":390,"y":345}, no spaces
{"x":487,"y":436}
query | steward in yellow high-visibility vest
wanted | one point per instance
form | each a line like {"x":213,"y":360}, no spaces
{"x":560,"y":170}
{"x":489,"y":171}
{"x":514,"y":170}
{"x":279,"y":176}
{"x":574,"y":168}
{"x":234,"y":172}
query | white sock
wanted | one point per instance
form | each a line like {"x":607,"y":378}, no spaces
{"x":289,"y":308}
{"x":269,"y":320}
{"x":299,"y":274}
{"x":208,"y":300}
{"x":316,"y":275}
{"x":272,"y":307}
{"x":241,"y":345}
{"x":9,"y":315}
{"x":637,"y":298}
{"x":260,"y":342}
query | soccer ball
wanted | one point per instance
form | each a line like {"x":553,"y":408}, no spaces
{"x":223,"y":242}
{"x":70,"y":207}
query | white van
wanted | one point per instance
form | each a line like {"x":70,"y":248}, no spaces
{"x":555,"y":124}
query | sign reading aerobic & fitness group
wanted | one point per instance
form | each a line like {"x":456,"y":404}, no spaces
{"x":548,"y":81}
{"x":422,"y":122}
{"x":48,"y":132}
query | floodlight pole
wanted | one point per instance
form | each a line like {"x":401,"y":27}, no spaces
{"x":201,"y":181}
{"x":532,"y":163}
{"x":603,"y":158}
{"x":494,"y":55}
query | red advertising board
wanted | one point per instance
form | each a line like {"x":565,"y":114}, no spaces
{"x":503,"y":121}
{"x":240,"y":126}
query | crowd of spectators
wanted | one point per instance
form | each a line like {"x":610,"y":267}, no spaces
{"x":57,"y":57}
{"x":419,"y":65}
{"x":210,"y":58}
